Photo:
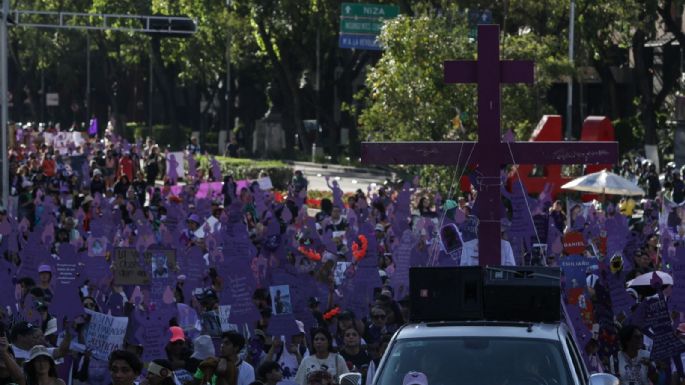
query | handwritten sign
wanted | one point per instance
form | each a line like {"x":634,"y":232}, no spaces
{"x":224,"y":315}
{"x":678,"y":297}
{"x":658,"y":321}
{"x":127,"y":268}
{"x":105,"y":334}
{"x":211,"y":323}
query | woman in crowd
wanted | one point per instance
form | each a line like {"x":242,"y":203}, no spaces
{"x":354,"y":353}
{"x":40,"y":367}
{"x":634,"y":366}
{"x":346,"y":319}
{"x":322,"y":359}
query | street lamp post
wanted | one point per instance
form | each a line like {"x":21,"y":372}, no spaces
{"x":224,"y":134}
{"x":569,"y":85}
{"x":4,"y":113}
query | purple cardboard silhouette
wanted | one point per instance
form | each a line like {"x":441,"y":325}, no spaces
{"x":678,"y":296}
{"x":216,"y":169}
{"x":489,"y":152}
{"x":66,"y":280}
{"x":621,"y":301}
{"x":401,"y":253}
{"x":618,"y":234}
{"x":358,"y":290}
{"x":657,"y":319}
{"x":192,"y":166}
{"x":172,"y":165}
{"x":238,"y":286}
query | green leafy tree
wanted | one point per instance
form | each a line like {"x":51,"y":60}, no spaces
{"x":407,"y":99}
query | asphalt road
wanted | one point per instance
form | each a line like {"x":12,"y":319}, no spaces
{"x":349,"y":178}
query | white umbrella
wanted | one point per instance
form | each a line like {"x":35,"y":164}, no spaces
{"x":646,"y":279}
{"x":604,"y":182}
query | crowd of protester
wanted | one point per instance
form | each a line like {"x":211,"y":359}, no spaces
{"x":132,"y":177}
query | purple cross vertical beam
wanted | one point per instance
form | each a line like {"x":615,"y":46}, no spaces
{"x":489,"y":152}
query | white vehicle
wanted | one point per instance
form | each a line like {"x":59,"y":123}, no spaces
{"x":485,"y":351}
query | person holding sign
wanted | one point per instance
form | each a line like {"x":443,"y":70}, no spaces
{"x":10,"y":372}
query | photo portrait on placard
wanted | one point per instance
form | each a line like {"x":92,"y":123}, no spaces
{"x":97,"y":246}
{"x":280,"y":299}
{"x":450,"y":238}
{"x":159,"y":266}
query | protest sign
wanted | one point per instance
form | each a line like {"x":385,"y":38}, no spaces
{"x":402,"y":257}
{"x":265,"y":183}
{"x":161,"y":261}
{"x":188,"y":319}
{"x":280,"y":300}
{"x":541,"y":222}
{"x":239,"y":285}
{"x":104,"y":334}
{"x":66,"y":280}
{"x":127,"y":268}
{"x":211,"y":323}
{"x":339,"y":272}
{"x":93,"y":127}
{"x":621,"y":301}
{"x":224,"y":313}
{"x":574,"y":243}
{"x":677,"y":299}
{"x":659,"y":323}
{"x":174,"y":164}
{"x":282,"y":325}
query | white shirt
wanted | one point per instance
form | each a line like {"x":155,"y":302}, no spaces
{"x":469,"y":253}
{"x":633,"y":371}
{"x":245,"y":373}
{"x":334,"y":364}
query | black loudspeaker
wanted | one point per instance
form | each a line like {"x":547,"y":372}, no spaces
{"x":446,"y":294}
{"x":527,"y":293}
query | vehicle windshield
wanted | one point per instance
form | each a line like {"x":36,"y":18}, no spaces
{"x":477,"y":361}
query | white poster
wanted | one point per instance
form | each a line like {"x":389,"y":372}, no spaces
{"x":105,"y":334}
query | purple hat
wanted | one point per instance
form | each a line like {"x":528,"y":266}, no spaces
{"x":45,"y":269}
{"x":415,"y":378}
{"x":194,"y":218}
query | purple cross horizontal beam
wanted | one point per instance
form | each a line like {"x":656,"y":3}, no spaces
{"x":489,"y":152}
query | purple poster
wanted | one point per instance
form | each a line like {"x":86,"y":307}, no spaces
{"x":678,"y":297}
{"x":660,"y":327}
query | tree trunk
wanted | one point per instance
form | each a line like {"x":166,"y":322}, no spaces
{"x":167,"y":88}
{"x":643,"y":79}
{"x":292,"y":114}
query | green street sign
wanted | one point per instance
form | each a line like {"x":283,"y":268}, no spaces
{"x":372,"y":11}
{"x":360,"y":26}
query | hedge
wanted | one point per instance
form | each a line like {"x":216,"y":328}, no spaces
{"x":280,"y":173}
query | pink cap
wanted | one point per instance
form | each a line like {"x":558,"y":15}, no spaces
{"x":177,"y":334}
{"x":45,"y":269}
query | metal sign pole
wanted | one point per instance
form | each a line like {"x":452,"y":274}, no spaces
{"x":3,"y":98}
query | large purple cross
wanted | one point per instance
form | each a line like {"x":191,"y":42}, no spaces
{"x":489,"y":152}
